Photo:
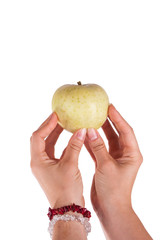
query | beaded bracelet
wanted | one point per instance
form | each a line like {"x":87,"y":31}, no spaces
{"x":73,"y":208}
{"x":60,"y":214}
{"x":83,"y":220}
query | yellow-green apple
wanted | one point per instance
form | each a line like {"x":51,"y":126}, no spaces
{"x":80,"y":106}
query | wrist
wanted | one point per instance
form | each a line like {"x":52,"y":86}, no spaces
{"x":69,"y":229}
{"x":112,"y":217}
{"x":107,"y":211}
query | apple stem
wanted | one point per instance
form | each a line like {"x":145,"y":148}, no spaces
{"x":79,"y":83}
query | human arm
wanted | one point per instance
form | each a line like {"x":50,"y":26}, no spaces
{"x":60,"y":179}
{"x":122,"y":223}
{"x":115,"y":173}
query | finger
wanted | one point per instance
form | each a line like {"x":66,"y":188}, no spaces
{"x":51,"y":141}
{"x":53,"y":137}
{"x":125,"y":131}
{"x":47,"y":127}
{"x":74,"y":146}
{"x":89,"y":149}
{"x":45,"y":121}
{"x":37,"y":139}
{"x":63,"y":153}
{"x":97,"y":146}
{"x":112,"y":137}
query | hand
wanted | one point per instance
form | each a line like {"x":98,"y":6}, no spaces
{"x":60,"y":179}
{"x":115,"y":171}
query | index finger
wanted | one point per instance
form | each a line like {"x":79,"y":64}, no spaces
{"x":37,"y":139}
{"x":53,"y":137}
{"x":47,"y":126}
{"x":126,"y":133}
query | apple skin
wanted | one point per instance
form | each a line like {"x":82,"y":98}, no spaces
{"x":80,"y":106}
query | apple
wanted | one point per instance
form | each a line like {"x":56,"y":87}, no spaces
{"x":80,"y":106}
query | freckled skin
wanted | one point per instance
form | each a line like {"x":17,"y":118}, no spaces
{"x":80,"y":106}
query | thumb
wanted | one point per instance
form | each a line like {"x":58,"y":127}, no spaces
{"x":75,"y":144}
{"x":97,"y":146}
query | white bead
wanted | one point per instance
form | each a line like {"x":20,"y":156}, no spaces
{"x":69,"y":217}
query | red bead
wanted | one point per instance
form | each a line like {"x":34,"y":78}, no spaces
{"x":80,"y":210}
{"x":87,"y":214}
{"x":56,"y":211}
{"x":64,"y":210}
{"x":49,"y":215}
{"x":53,"y":212}
{"x":67,"y":208}
{"x":61,"y":211}
{"x":73,"y":207}
{"x":84,"y":210}
{"x":77,"y":208}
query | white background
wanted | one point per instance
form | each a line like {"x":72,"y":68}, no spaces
{"x":46,"y":44}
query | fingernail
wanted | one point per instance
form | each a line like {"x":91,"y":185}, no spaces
{"x":92,"y":134}
{"x":81,"y":134}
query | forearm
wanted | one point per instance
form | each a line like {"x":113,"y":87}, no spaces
{"x":123,"y":223}
{"x":69,"y":230}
